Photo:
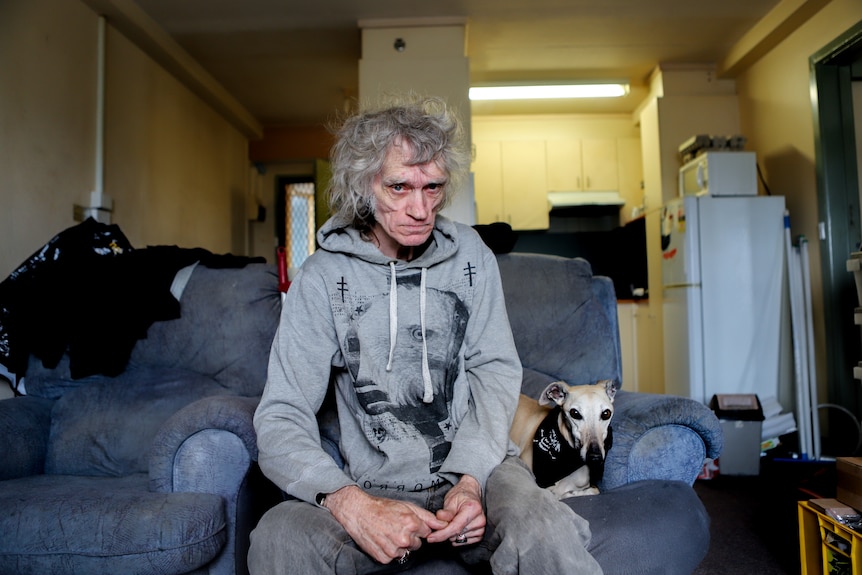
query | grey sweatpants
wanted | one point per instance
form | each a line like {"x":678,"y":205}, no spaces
{"x":529,"y":533}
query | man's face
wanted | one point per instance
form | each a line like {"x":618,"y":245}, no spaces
{"x":407,"y":198}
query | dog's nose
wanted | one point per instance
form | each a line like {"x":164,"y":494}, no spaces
{"x":594,"y":453}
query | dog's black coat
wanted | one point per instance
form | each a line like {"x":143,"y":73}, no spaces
{"x":553,"y":456}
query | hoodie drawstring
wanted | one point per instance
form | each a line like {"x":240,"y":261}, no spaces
{"x":393,"y":314}
{"x":428,"y":395}
{"x":426,"y":372}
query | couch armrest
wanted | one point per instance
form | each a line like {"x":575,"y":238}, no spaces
{"x":224,"y":423}
{"x":210,"y":447}
{"x":25,"y":423}
{"x":660,"y":437}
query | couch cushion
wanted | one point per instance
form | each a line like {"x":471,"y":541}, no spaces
{"x":107,"y":426}
{"x":51,"y":383}
{"x":228,"y":319}
{"x":650,"y":526}
{"x":67,"y":524}
{"x":563,"y":318}
{"x":535,"y":382}
{"x":24,"y":426}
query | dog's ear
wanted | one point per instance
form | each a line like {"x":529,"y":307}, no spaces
{"x":554,"y":394}
{"x":611,"y":387}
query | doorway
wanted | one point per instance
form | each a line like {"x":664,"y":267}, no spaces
{"x":833,"y":72}
{"x":295,"y":218}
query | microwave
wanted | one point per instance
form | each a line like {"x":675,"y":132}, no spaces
{"x":719,"y":174}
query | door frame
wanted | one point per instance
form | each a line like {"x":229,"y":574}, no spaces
{"x":833,"y":69}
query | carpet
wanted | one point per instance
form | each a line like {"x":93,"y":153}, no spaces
{"x":754,"y":527}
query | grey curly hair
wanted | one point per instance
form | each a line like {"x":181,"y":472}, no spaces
{"x":428,"y":127}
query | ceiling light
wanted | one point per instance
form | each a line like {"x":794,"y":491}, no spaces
{"x":548,"y":91}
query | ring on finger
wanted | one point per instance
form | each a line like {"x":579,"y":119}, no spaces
{"x":403,"y":559}
{"x":461,"y":538}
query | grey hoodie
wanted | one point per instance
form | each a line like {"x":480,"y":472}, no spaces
{"x":426,"y":375}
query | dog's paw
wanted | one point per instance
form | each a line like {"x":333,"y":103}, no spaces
{"x":587,"y":491}
{"x":565,"y":493}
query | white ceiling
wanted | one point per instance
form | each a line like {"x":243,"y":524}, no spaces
{"x":296,"y":61}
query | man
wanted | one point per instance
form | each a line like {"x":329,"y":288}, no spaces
{"x":401,"y":311}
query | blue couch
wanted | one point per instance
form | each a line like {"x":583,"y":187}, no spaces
{"x":647,"y":518}
{"x":153,"y":470}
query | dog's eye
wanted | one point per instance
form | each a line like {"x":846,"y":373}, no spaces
{"x":575,"y":414}
{"x":606,"y":415}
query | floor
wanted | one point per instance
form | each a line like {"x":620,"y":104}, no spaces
{"x":754,"y":525}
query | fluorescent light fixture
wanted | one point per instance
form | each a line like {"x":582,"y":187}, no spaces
{"x":548,"y":91}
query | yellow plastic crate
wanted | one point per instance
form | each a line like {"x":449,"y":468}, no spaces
{"x":826,"y":546}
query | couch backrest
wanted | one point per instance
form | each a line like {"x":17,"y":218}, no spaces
{"x":563,"y":318}
{"x":220,"y":345}
{"x":227,"y":323}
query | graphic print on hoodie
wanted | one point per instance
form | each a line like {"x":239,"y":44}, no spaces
{"x":389,"y":380}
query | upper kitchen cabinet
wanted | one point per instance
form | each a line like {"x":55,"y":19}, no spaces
{"x":510,"y":183}
{"x":588,"y":165}
{"x":519,"y":160}
{"x":488,"y":182}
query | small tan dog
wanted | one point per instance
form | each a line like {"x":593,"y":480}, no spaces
{"x":565,"y":436}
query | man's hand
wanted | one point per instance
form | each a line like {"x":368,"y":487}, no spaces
{"x":462,"y":511}
{"x":386,"y":529}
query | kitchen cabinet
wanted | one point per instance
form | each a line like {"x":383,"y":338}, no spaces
{"x":582,"y":165}
{"x":627,"y":313}
{"x":511,"y":183}
{"x":488,"y":182}
{"x":513,"y":175}
{"x":639,"y":347}
{"x":631,"y":177}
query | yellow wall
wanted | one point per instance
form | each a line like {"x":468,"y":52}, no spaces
{"x":176,"y":170}
{"x":776,"y":116}
{"x":47,"y":120}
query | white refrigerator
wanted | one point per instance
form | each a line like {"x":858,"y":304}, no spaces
{"x":723,"y":280}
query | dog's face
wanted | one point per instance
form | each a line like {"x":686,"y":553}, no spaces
{"x":587,"y":411}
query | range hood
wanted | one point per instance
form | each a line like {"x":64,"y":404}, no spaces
{"x":583,"y":199}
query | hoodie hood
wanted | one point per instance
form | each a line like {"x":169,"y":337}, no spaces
{"x":337,"y":238}
{"x":443,"y":245}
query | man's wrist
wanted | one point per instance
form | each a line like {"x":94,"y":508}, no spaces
{"x":334,"y":500}
{"x":320,"y":499}
{"x":471,"y":483}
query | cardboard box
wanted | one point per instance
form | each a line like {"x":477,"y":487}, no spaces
{"x":741,"y":419}
{"x":849,"y":470}
{"x":840,"y":512}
